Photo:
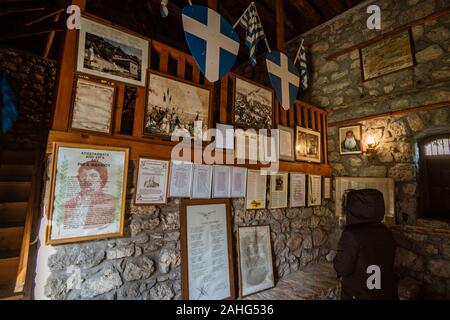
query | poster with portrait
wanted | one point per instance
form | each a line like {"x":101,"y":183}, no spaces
{"x":255,"y":260}
{"x":206,"y":250}
{"x":176,"y":107}
{"x":298,"y":190}
{"x":314,"y":191}
{"x":87,"y":195}
{"x":151,"y":183}
{"x":308,"y":146}
{"x":279,"y":190}
{"x":350,"y":140}
{"x":109,"y":53}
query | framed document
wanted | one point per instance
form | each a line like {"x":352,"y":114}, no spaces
{"x":268,"y":148}
{"x":327,"y":188}
{"x":247,"y":145}
{"x":314,"y":191}
{"x":202,"y":181}
{"x":222,"y":182}
{"x":286,"y":138}
{"x":308,"y":145}
{"x":151,"y":182}
{"x":255,"y":260}
{"x":87,"y":193}
{"x":350,"y":140}
{"x":256,"y":190}
{"x":224,"y":137}
{"x":238,"y":182}
{"x":384,"y":185}
{"x":181,"y":179}
{"x":176,"y":106}
{"x":387,"y":56}
{"x":107,"y":52}
{"x":252,"y":105}
{"x":279,"y":191}
{"x":206,"y":250}
{"x":93,"y":106}
{"x":298,"y":190}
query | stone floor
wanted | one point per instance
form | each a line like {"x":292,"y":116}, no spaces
{"x":316,"y":282}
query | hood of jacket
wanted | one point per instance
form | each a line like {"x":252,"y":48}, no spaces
{"x":364,"y":206}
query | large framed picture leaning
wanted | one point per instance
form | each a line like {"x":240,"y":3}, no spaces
{"x":206,"y":250}
{"x":87,"y":193}
{"x":107,"y":52}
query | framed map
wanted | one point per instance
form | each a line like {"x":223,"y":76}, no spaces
{"x":387,"y":56}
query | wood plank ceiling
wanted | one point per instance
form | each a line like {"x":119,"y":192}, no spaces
{"x":28,"y":24}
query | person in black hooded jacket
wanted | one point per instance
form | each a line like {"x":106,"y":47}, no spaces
{"x":366,"y":242}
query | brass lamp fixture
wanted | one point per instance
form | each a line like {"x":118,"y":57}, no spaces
{"x":371,"y":144}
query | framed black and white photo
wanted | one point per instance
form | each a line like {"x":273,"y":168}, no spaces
{"x":176,"y":107}
{"x":286,"y":138}
{"x":278,"y":196}
{"x":308,"y":145}
{"x":107,"y":52}
{"x":350,"y":140}
{"x":252,"y":105}
{"x":255,"y":260}
{"x":93,"y":106}
{"x":151,"y":182}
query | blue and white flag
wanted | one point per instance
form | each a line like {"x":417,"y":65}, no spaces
{"x":255,"y":32}
{"x":164,"y":9}
{"x":304,"y":72}
{"x":213,"y":42}
{"x":284,"y":77}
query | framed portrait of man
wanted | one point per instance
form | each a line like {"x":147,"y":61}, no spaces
{"x":350,"y":140}
{"x":87,"y":193}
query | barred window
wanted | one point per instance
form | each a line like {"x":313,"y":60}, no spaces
{"x":437,"y":147}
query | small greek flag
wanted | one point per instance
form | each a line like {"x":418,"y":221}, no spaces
{"x":255,"y":32}
{"x":304,"y":72}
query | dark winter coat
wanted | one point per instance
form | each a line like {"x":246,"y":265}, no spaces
{"x":365,"y":242}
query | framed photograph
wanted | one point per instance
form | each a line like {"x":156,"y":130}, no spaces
{"x":387,"y":56}
{"x":256,"y":195}
{"x":181,"y":179}
{"x":238,"y":182}
{"x":350,"y":140}
{"x":252,"y":105}
{"x":222,"y":182}
{"x":206,"y":250}
{"x":279,"y":184}
{"x":248,"y":146}
{"x":93,"y":106}
{"x":109,"y":53}
{"x":298,"y":190}
{"x":314,"y":191}
{"x":202,"y":181}
{"x":255,"y":260}
{"x":384,"y":185}
{"x":176,"y":106}
{"x":308,"y":146}
{"x":225,"y":137}
{"x":87,"y":193}
{"x":151,"y":182}
{"x":327,"y":186}
{"x":286,"y":143}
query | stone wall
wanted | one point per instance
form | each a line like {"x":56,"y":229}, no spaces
{"x":145,"y":263}
{"x":32,"y":79}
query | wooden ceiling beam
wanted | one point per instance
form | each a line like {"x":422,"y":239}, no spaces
{"x":43,"y":28}
{"x":19,"y":7}
{"x":307,"y":10}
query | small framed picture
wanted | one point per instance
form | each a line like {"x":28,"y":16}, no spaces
{"x":350,"y":140}
{"x":308,"y":146}
{"x":93,"y":106}
{"x":298,"y":190}
{"x":151,"y":182}
{"x":314,"y":191}
{"x":286,"y":143}
{"x":327,"y":186}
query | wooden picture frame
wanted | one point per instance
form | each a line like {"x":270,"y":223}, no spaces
{"x":250,"y":123}
{"x":155,"y":177}
{"x":392,"y":54}
{"x":255,"y":281}
{"x":94,"y":176}
{"x":156,"y":122}
{"x":308,"y":145}
{"x":327,"y":188}
{"x":354,"y":147}
{"x":282,"y":136}
{"x":300,"y":191}
{"x":96,"y":40}
{"x":314,"y":191}
{"x":279,"y":185}
{"x":201,"y":209}
{"x":77,"y":99}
